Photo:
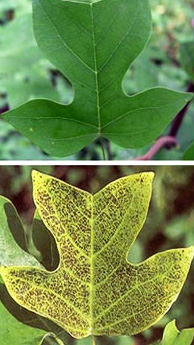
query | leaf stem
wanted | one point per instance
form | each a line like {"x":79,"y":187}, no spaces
{"x":49,"y":338}
{"x":161,"y":142}
{"x":93,"y":340}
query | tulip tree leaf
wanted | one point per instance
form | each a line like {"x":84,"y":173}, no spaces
{"x":92,"y":43}
{"x":172,"y":336}
{"x":95,"y":290}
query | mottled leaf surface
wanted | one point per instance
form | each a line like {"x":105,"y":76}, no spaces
{"x":92,"y":43}
{"x":95,"y":290}
{"x":12,"y":331}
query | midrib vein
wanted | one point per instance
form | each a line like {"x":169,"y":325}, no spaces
{"x":92,"y":265}
{"x":96,"y":72}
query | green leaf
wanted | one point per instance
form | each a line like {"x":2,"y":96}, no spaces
{"x":95,"y":290}
{"x":93,"y":44}
{"x":187,"y":57}
{"x":189,"y":153}
{"x":170,"y":333}
{"x":14,"y":332}
{"x":172,"y":336}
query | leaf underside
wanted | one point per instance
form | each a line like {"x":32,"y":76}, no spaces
{"x":93,"y":44}
{"x":95,"y":290}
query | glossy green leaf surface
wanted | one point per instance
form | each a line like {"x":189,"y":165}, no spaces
{"x":95,"y":290}
{"x":189,"y":153}
{"x":172,"y":336}
{"x":93,"y":44}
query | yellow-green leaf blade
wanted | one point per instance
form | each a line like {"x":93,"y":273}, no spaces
{"x":54,"y":296}
{"x":95,"y":290}
{"x":144,"y":292}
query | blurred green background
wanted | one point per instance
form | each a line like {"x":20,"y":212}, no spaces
{"x":25,"y":74}
{"x":170,"y":224}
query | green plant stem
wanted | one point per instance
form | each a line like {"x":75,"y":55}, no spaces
{"x":51,"y":337}
{"x":93,"y":340}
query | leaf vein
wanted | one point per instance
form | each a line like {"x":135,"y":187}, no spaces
{"x":63,"y":42}
{"x":119,"y":44}
{"x":129,"y":291}
{"x":61,"y":297}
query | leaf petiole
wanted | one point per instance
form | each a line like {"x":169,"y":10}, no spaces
{"x":93,"y":340}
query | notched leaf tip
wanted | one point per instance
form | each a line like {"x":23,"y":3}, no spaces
{"x":151,"y":174}
{"x":36,"y":173}
{"x":37,"y":176}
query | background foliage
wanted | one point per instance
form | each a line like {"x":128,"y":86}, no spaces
{"x":24,"y":74}
{"x":170,"y":224}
